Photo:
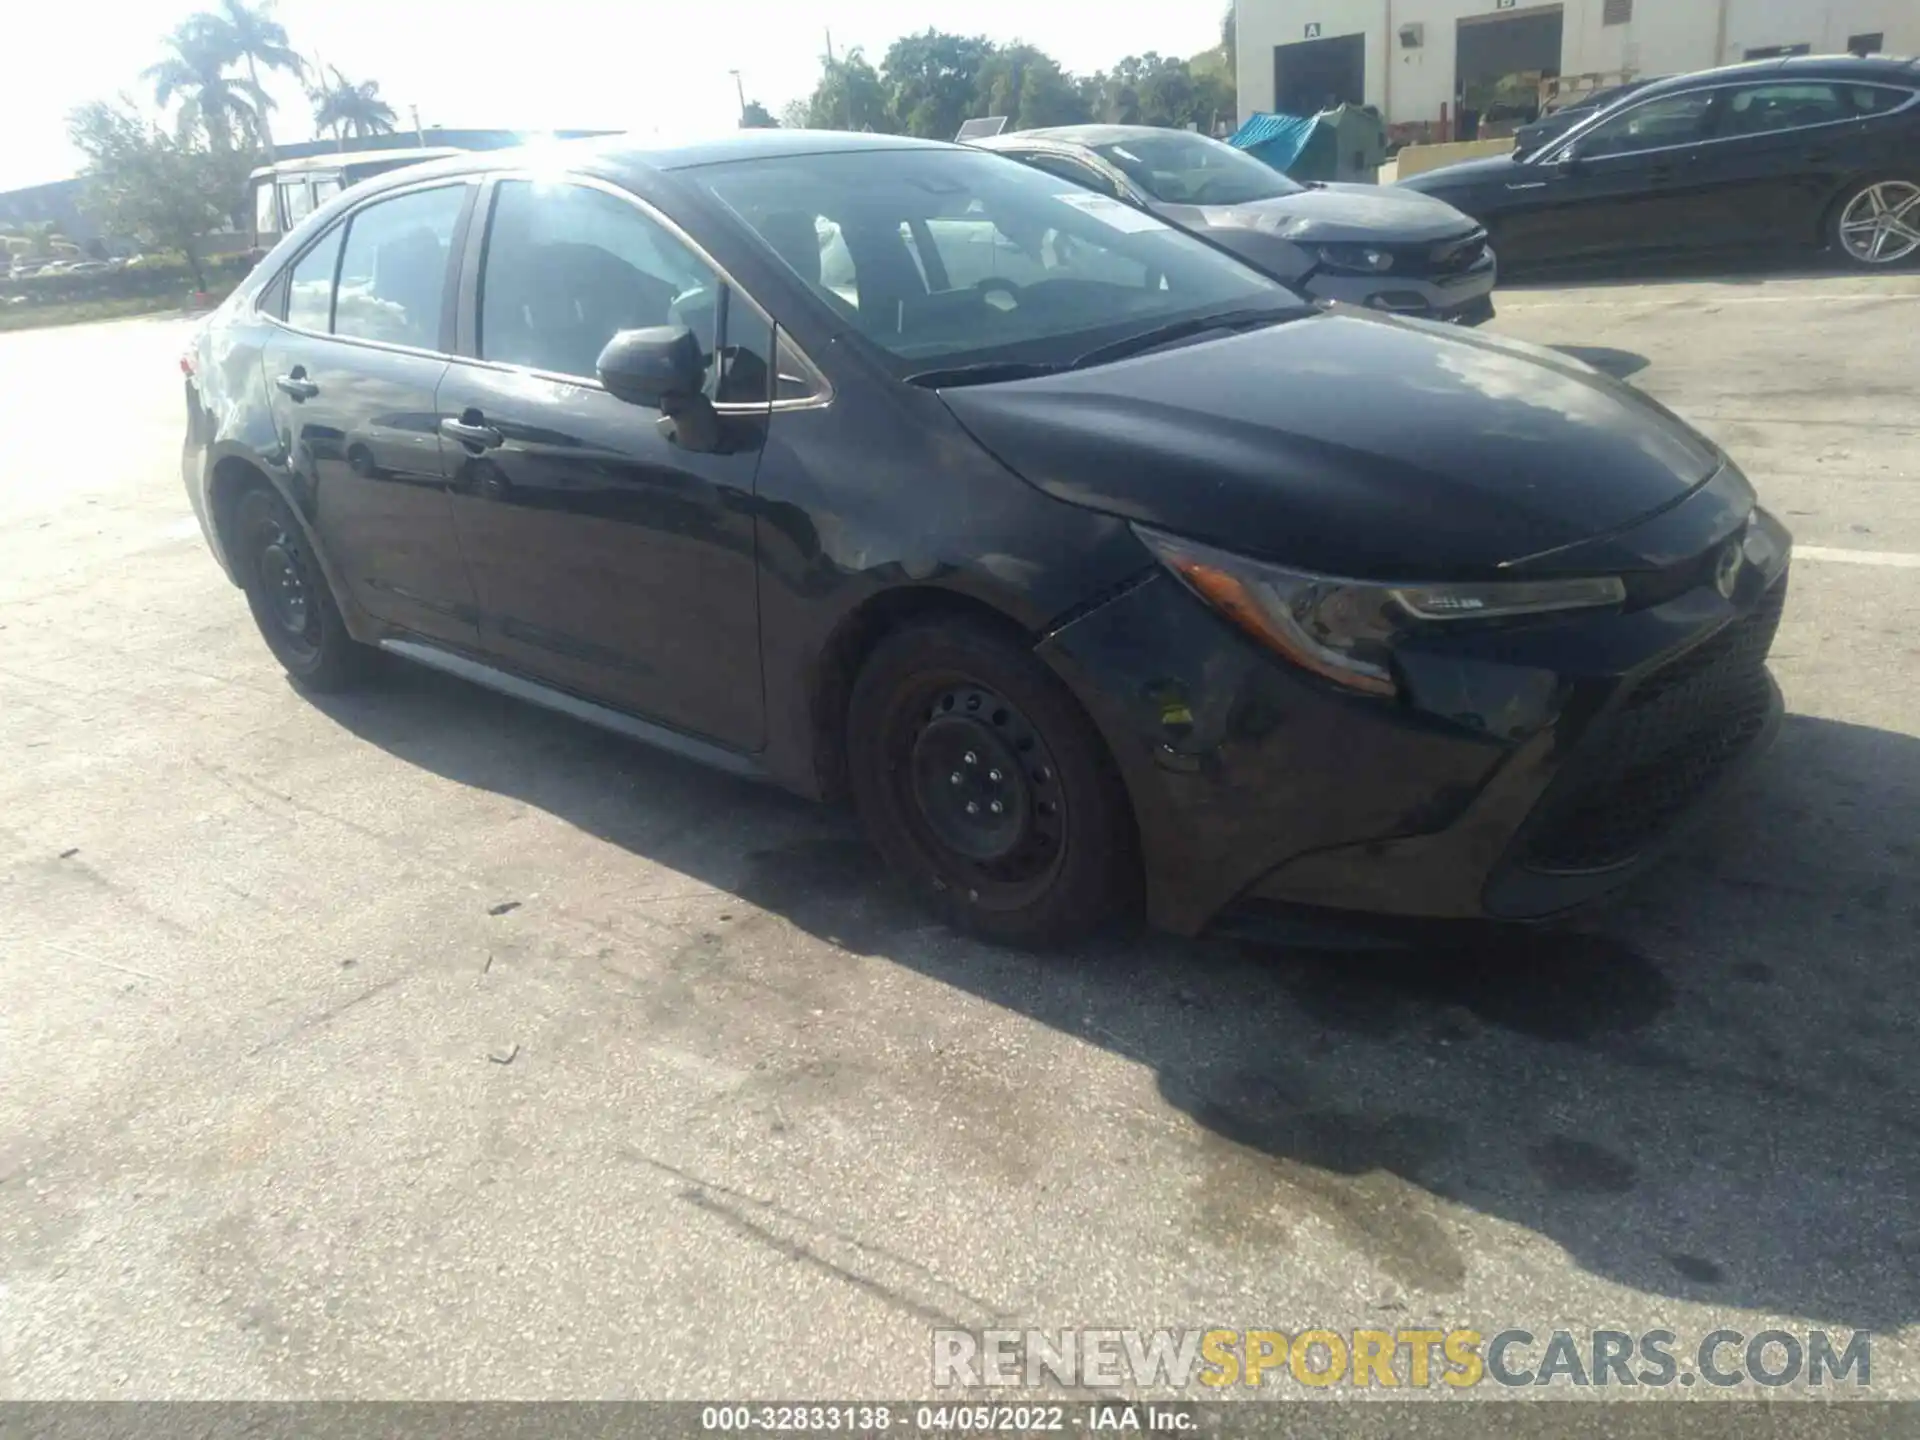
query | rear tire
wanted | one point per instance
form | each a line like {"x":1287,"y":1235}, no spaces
{"x":289,"y":597}
{"x":1876,"y":224}
{"x":988,"y":791}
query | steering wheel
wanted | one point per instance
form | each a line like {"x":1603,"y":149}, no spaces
{"x":1000,"y":284}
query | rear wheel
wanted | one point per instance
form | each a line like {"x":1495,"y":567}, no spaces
{"x":987,"y":790}
{"x":1877,"y":223}
{"x":289,"y":597}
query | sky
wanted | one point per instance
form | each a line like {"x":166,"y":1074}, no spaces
{"x":641,"y":65}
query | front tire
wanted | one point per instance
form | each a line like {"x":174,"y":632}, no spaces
{"x":1876,"y":224}
{"x":289,"y":598}
{"x":988,"y":791}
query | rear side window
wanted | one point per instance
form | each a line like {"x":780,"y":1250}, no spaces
{"x":1762,"y":109}
{"x":296,"y":200}
{"x":393,"y":271}
{"x":1072,"y":170}
{"x":567,"y":266}
{"x":310,"y":285}
{"x":1876,"y":99}
{"x":266,"y":220}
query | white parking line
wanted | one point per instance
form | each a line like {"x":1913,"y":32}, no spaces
{"x":1522,"y":300}
{"x":1899,"y":560}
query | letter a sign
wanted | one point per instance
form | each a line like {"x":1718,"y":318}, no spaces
{"x":1313,"y":30}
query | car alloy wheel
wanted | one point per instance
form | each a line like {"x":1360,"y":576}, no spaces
{"x":1881,"y":224}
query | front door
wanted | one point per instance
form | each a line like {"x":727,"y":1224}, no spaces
{"x":352,"y":375}
{"x":612,"y":556}
{"x":1634,"y":182}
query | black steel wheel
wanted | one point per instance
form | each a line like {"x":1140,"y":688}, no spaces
{"x":987,"y":789}
{"x":288,"y":595}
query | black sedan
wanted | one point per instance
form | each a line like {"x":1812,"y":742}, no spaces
{"x":1800,"y":153}
{"x":1131,"y":583}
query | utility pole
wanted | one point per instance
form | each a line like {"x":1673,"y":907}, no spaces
{"x":740,"y":88}
{"x":846,"y":90}
{"x":419,"y":135}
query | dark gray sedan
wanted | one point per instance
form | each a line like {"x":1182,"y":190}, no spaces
{"x":1371,"y":245}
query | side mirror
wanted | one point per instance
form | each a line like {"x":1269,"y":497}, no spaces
{"x":646,"y":367}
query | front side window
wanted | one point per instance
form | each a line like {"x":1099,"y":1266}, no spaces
{"x":324,"y":190}
{"x":567,"y":266}
{"x":1180,"y":168}
{"x":393,"y":272}
{"x":1670,"y":120}
{"x":310,"y":287}
{"x":1763,"y":109}
{"x":960,"y":257}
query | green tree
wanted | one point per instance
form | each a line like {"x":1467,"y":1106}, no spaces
{"x":1027,"y":85}
{"x":1230,"y":36}
{"x":757,"y":117}
{"x":169,"y":190}
{"x":932,"y":81}
{"x":227,"y":108}
{"x":349,"y":110}
{"x":849,"y":96}
{"x":796,"y":114}
{"x":250,"y":33}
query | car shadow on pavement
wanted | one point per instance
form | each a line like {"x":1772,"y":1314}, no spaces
{"x":1703,"y":1091}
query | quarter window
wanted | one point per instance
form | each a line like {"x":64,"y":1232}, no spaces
{"x":310,"y":287}
{"x":568,"y":266}
{"x":1670,"y":120}
{"x":393,"y":273}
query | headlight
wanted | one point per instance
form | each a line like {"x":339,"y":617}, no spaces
{"x":1366,"y":259}
{"x":1344,"y":630}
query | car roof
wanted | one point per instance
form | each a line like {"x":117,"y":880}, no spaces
{"x":629,"y":154}
{"x":1080,"y":135}
{"x":1896,"y":68}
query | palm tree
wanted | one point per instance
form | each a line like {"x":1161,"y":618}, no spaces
{"x":250,"y":33}
{"x":351,"y":110}
{"x":196,"y":71}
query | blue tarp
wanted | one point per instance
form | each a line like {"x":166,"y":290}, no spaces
{"x":1275,"y":139}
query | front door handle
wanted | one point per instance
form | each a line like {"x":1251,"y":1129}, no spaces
{"x":471,"y":429}
{"x":296,"y":384}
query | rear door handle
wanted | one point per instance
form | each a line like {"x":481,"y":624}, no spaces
{"x":296,"y":384}
{"x":471,"y":429}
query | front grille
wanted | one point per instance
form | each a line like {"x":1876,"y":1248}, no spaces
{"x":1672,"y":736}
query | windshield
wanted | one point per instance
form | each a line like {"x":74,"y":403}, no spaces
{"x":1185,"y":169}
{"x":958,"y":257}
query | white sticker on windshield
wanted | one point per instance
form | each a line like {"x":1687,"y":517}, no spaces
{"x":1112,"y":213}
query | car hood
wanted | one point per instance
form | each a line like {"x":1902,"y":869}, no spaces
{"x":1344,"y":212}
{"x":1349,"y":443}
{"x":1463,"y":174}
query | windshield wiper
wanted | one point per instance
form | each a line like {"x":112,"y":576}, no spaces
{"x":1183,"y":329}
{"x":985,"y":372}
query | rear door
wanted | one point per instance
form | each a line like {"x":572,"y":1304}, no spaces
{"x":1781,"y":150}
{"x":352,"y":369}
{"x":1635,"y":184}
{"x":612,"y":555}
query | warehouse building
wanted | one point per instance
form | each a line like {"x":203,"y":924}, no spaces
{"x":1426,"y":61}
